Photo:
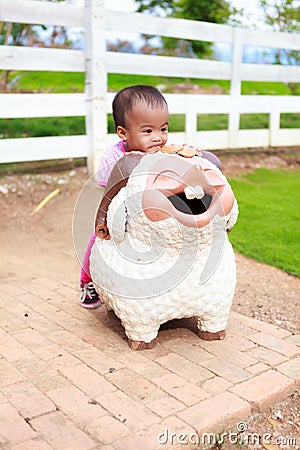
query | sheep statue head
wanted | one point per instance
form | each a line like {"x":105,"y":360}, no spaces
{"x":162,"y":250}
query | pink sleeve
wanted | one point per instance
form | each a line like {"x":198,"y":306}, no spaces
{"x":107,"y":162}
{"x":104,"y":170}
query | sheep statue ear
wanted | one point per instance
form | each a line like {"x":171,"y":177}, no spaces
{"x":112,"y":209}
{"x":117,"y":217}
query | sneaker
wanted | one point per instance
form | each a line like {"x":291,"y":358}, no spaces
{"x":89,"y":297}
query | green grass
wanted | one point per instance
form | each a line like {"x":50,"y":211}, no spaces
{"x":59,"y":82}
{"x":254,"y":121}
{"x":209,"y":122}
{"x":267,"y":88}
{"x":55,"y":82}
{"x":268,"y":225}
{"x":289,"y":120}
{"x":64,"y":126}
{"x":52,"y":126}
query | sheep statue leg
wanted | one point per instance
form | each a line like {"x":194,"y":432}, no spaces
{"x":133,"y":344}
{"x":140,"y":345}
{"x":141,"y":336}
{"x":137,"y":339}
{"x":206,"y":335}
{"x":209,"y":336}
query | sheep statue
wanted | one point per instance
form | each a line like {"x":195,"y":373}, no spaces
{"x":162,"y":250}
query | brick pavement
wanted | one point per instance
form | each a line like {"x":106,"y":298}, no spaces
{"x":69,"y":380}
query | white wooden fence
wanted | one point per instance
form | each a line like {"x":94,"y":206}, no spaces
{"x":96,"y":62}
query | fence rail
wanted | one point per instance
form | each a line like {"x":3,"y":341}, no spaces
{"x":96,"y":62}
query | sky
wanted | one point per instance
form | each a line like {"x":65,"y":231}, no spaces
{"x":250,"y":6}
{"x":253,"y":15}
{"x":252,"y":11}
{"x":130,"y":5}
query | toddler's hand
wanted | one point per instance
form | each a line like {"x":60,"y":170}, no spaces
{"x":102,"y":231}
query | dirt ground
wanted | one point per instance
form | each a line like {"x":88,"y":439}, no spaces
{"x":43,"y":241}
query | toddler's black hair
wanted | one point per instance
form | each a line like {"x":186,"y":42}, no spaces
{"x":129,"y":96}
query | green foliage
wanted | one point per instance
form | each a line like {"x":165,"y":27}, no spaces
{"x":283,"y":16}
{"x":268,"y":225}
{"x":16,"y":34}
{"x":21,"y":34}
{"x":215,"y":11}
{"x":30,"y":35}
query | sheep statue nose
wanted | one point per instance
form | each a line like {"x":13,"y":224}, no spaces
{"x":162,"y":250}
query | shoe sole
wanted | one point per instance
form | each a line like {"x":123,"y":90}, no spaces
{"x":91,"y":305}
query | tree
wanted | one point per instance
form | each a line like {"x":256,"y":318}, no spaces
{"x":20,"y":34}
{"x":216,"y":11}
{"x":283,"y":16}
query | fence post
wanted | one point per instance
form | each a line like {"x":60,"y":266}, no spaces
{"x":95,"y":82}
{"x":274,"y":125}
{"x":235,"y":89}
{"x":190,"y":123}
{"x":191,"y":128}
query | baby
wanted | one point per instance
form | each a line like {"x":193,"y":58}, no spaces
{"x":141,"y":118}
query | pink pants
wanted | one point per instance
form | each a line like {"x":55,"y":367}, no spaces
{"x":85,"y":275}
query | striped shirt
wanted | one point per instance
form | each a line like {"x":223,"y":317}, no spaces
{"x":108,"y":160}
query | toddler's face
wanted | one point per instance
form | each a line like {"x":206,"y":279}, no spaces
{"x":147,"y":128}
